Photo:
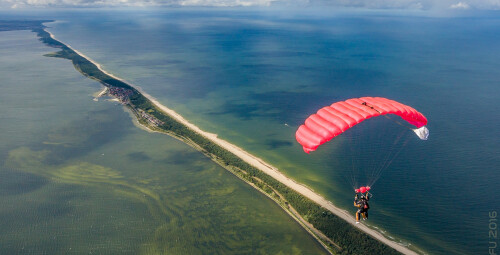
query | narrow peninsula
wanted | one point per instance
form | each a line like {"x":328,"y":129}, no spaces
{"x":333,"y":227}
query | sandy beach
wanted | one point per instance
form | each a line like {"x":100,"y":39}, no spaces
{"x":261,"y":165}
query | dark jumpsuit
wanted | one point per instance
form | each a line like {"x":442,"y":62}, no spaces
{"x":363,"y":207}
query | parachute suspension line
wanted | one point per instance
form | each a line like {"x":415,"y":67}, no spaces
{"x":354,"y":184}
{"x":357,"y":151}
{"x":397,"y":122}
{"x":390,"y":157}
{"x":354,"y":166}
{"x":370,"y":153}
{"x":385,"y":162}
{"x":358,"y":155}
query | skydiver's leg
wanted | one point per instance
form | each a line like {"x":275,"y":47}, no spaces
{"x":366,"y":214}
{"x":357,"y":216}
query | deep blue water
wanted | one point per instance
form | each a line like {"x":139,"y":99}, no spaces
{"x":245,"y":74}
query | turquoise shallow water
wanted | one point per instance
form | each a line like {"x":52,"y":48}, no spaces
{"x":77,"y":177}
{"x":254,"y":76}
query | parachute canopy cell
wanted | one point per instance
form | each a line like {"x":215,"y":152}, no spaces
{"x":362,"y":189}
{"x":333,"y":120}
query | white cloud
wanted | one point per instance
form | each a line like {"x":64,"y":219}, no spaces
{"x":460,"y":5}
{"x":223,"y":3}
{"x":126,"y":3}
{"x":370,"y":4}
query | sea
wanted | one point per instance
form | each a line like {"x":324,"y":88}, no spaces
{"x":78,"y":176}
{"x":252,"y":76}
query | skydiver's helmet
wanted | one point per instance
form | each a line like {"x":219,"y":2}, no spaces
{"x":362,"y":197}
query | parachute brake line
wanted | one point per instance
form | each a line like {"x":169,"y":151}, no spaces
{"x":368,"y":193}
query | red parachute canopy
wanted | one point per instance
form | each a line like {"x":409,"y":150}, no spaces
{"x":333,"y":120}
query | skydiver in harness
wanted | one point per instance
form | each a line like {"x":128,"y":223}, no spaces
{"x":361,"y":203}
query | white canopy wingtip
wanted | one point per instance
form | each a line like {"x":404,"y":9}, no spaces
{"x":422,"y":132}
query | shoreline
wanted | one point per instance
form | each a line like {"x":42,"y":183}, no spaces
{"x":257,"y":163}
{"x":99,"y":94}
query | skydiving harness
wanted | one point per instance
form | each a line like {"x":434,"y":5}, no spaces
{"x":367,"y":196}
{"x":362,"y":205}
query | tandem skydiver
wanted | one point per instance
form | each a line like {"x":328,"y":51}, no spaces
{"x":361,"y":202}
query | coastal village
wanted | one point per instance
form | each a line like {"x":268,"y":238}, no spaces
{"x":123,"y":96}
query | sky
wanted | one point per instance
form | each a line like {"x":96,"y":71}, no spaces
{"x":368,"y":4}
